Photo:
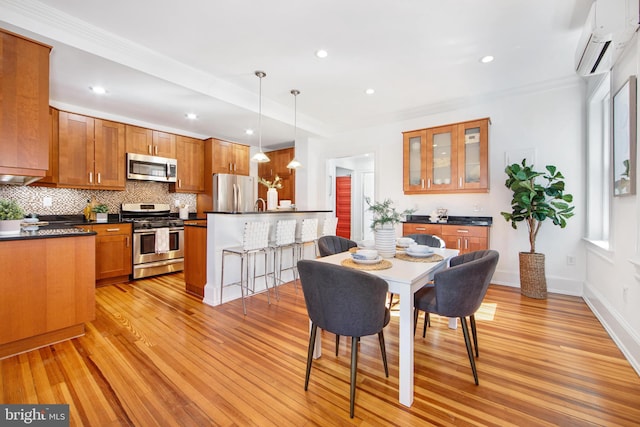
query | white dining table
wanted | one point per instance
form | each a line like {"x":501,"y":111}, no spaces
{"x":405,"y":278}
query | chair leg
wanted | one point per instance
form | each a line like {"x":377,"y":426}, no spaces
{"x":390,"y":300}
{"x":383,"y":350}
{"x":415,"y":319}
{"x":426,"y":322}
{"x":337,"y":343}
{"x":472,"y":319}
{"x":242,"y":265}
{"x":312,"y":342}
{"x":354,"y":370}
{"x":467,"y":341}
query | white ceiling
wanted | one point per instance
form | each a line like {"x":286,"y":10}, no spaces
{"x":160,"y":59}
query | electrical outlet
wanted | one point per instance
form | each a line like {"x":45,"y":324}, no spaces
{"x":47,"y":202}
{"x":571,"y":260}
{"x":477,"y":208}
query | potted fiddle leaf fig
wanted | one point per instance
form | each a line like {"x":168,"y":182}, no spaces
{"x":11,"y":216}
{"x":537,"y":197}
{"x":385,"y":217}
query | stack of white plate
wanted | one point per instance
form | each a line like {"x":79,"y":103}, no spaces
{"x":419,"y":251}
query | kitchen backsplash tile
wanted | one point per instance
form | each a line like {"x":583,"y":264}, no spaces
{"x":67,"y":201}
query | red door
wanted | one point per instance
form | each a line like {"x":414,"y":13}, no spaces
{"x":343,"y":206}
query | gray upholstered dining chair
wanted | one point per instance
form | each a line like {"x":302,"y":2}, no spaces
{"x":344,"y":301}
{"x":427,"y":239}
{"x":458,"y":291}
{"x":329,"y":245}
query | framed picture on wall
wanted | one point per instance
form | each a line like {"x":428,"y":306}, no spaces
{"x":624,"y":139}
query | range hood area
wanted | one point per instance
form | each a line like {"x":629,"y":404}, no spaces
{"x":18,"y":179}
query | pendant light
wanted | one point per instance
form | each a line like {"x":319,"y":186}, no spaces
{"x":260,"y":157}
{"x":293,"y":164}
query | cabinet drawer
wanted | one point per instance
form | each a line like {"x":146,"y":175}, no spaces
{"x":112,"y":229}
{"x":416,"y":228}
{"x":463,"y":230}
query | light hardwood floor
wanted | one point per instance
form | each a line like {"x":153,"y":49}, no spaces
{"x":156,"y":356}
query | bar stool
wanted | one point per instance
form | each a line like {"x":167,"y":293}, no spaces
{"x":308,"y":234}
{"x":255,"y":240}
{"x":329,"y":226}
{"x":285,"y":240}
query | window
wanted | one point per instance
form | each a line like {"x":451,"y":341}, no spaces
{"x":598,"y":163}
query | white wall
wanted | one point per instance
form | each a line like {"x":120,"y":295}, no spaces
{"x":612,"y":284}
{"x":551,"y":121}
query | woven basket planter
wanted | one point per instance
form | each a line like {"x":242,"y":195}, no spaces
{"x":533,"y":283}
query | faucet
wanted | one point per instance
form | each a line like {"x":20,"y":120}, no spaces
{"x":264,"y":204}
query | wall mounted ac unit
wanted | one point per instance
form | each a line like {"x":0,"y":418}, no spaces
{"x":609,"y":26}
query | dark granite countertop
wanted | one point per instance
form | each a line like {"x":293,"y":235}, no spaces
{"x":481,"y":221}
{"x":47,"y":232}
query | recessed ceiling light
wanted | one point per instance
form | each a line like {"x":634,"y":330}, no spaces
{"x":249,"y":131}
{"x":321,"y":53}
{"x":370,"y":91}
{"x":486,"y":59}
{"x":98,"y":90}
{"x":191,"y":116}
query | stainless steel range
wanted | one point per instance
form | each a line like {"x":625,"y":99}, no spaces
{"x":158,"y":238}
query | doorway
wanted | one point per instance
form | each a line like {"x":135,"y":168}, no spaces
{"x":343,"y":206}
{"x":360,"y":171}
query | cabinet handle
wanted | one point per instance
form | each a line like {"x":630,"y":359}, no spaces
{"x":90,"y":177}
{"x":235,"y":167}
{"x":149,"y":149}
{"x":422,"y":182}
{"x":462,"y":231}
{"x":466,"y":243}
{"x":460,"y":182}
{"x":429,"y":183}
{"x":98,"y":176}
{"x":127,"y":245}
{"x":156,"y":150}
{"x":180,"y":183}
{"x":230,"y":167}
{"x":420,"y":229}
{"x":459,"y":246}
{"x":111,"y":230}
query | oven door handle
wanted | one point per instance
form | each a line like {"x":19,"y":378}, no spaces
{"x":152,"y":230}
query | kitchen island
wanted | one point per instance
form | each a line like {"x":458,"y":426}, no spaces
{"x":48,"y":287}
{"x":225,"y":230}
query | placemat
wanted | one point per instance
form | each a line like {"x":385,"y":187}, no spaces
{"x":382,"y":265}
{"x":432,"y":258}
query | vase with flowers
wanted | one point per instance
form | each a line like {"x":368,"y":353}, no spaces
{"x":385,"y":218}
{"x":272,"y":191}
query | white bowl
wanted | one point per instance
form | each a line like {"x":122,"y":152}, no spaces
{"x":285,"y":203}
{"x":419,"y":249}
{"x":365,"y":254}
{"x":405,"y":241}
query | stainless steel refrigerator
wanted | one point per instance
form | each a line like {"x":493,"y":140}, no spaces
{"x":234,"y":193}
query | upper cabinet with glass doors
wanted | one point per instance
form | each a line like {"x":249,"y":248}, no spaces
{"x":451,"y":158}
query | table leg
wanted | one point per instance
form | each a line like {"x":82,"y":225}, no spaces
{"x":405,"y":338}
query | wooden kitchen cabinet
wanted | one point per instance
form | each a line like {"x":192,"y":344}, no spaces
{"x":51,"y":177}
{"x":113,"y":252}
{"x":48,"y":292}
{"x":447,"y":159}
{"x":415,"y":228}
{"x":465,"y":238}
{"x":24,"y":106}
{"x":190,"y":155}
{"x":195,"y":256}
{"x":279,"y":159}
{"x":91,"y":152}
{"x":220,"y":157}
{"x":150,"y":142}
{"x":228,"y":157}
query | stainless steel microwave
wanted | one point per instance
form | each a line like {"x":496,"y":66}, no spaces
{"x":151,"y":168}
